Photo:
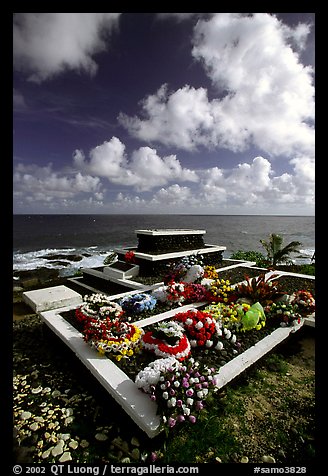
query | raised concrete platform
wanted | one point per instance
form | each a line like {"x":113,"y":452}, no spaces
{"x":137,"y":404}
{"x":51,"y":302}
{"x":52,"y":298}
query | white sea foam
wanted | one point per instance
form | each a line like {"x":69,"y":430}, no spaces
{"x":26,"y":261}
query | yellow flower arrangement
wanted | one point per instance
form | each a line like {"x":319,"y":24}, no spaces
{"x":120,"y":347}
{"x":210,"y":272}
{"x":221,"y":290}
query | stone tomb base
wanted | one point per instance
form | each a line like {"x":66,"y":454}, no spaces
{"x":158,"y":248}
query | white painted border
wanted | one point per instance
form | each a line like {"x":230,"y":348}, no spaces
{"x":240,"y":363}
{"x":134,"y":402}
{"x":169,"y":232}
{"x":177,"y":254}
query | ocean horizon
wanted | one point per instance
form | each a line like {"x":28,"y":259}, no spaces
{"x":68,"y":242}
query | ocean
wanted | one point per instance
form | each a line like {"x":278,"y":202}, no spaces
{"x":70,"y":242}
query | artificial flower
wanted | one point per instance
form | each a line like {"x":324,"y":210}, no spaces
{"x":196,"y":383}
{"x":202,"y":329}
{"x":137,"y":303}
{"x":304,"y":301}
{"x":167,"y":339}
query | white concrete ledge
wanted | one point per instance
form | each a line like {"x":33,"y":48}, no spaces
{"x":113,"y":272}
{"x":51,"y":298}
{"x":240,"y":363}
{"x":135,"y":403}
{"x":176,"y":254}
{"x":244,"y":264}
{"x":309,"y":321}
{"x":169,"y":232}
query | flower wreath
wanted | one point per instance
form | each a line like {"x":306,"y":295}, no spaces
{"x":305,"y":302}
{"x":179,"y":389}
{"x":168,"y":339}
{"x":138,"y":303}
{"x":105,"y":329}
{"x":98,"y":306}
{"x":171,"y":293}
{"x":114,"y":337}
{"x":220,"y":290}
{"x":284,"y":313}
{"x":203,"y":330}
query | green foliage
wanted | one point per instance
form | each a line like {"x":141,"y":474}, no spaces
{"x":307,"y":269}
{"x":256,"y":256}
{"x":259,"y":289}
{"x":275,"y":252}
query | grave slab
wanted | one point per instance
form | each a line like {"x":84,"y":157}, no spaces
{"x":52,"y":298}
{"x":134,"y":402}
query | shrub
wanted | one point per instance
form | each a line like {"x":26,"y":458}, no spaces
{"x":259,"y":289}
{"x":256,"y":256}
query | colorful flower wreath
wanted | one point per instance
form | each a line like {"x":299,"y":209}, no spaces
{"x":179,"y":389}
{"x":305,"y":302}
{"x":124,"y":342}
{"x":203,"y":330}
{"x":98,"y":306}
{"x":113,"y":337}
{"x":105,"y":328}
{"x":194,"y":292}
{"x":220,"y":290}
{"x":170,"y":293}
{"x":138,"y":303}
{"x":230,"y":315}
{"x":167,"y":339}
{"x":283,"y":313}
{"x":188,"y":269}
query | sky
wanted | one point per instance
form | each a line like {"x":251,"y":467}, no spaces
{"x":185,"y":113}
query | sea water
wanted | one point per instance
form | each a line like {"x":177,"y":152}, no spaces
{"x":71,"y":242}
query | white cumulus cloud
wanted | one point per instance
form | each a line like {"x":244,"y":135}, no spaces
{"x":264,"y":95}
{"x":46,"y":44}
{"x":43,"y":184}
{"x":144,"y":170}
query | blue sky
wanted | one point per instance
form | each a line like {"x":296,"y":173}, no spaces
{"x":205,"y":113}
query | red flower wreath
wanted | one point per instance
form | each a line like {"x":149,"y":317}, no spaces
{"x":199,"y":326}
{"x":167,"y":340}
